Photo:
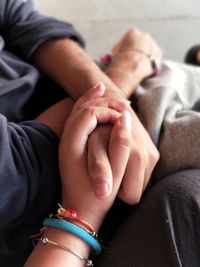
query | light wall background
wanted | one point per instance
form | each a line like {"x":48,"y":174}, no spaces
{"x":174,"y":24}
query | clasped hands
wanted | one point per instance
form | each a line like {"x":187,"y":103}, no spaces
{"x":120,"y":165}
{"x":144,"y":155}
{"x":104,"y":161}
{"x":105,"y":151}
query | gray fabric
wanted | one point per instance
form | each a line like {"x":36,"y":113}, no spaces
{"x":168,"y":106}
{"x":163,"y":231}
{"x":29,"y":175}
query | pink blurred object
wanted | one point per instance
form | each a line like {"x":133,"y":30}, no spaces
{"x":107,"y":58}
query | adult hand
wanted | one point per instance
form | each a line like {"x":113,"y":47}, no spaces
{"x":130,"y":62}
{"x":136,"y":39}
{"x":77,"y":190}
{"x":127,"y":70}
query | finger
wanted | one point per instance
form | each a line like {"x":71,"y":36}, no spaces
{"x":83,"y":123}
{"x":97,"y":91}
{"x":153,"y":159}
{"x":98,"y":163}
{"x":132,"y":185}
{"x":118,"y":105}
{"x":119,"y":148}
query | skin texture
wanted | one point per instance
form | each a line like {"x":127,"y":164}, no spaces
{"x":99,"y":120}
{"x":120,"y":79}
{"x":77,"y":191}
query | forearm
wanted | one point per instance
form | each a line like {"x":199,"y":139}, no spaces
{"x":45,"y":255}
{"x":128,"y":70}
{"x":68,"y":64}
{"x":55,"y":116}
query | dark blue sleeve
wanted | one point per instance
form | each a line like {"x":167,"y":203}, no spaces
{"x":29,"y":176}
{"x":24,"y":29}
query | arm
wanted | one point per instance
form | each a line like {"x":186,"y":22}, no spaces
{"x":51,"y":45}
{"x":144,"y":155}
{"x":29,"y":163}
{"x":127,"y":70}
{"x":63,"y":60}
{"x":24,"y":29}
{"x":77,"y":191}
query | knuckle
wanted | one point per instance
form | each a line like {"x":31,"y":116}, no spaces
{"x":85,"y":105}
{"x":98,"y":170}
{"x":132,"y":32}
{"x":123,"y":139}
{"x":135,"y":199}
{"x":87,"y":110}
{"x":132,"y":199}
{"x":79,"y":105}
{"x":82,"y":102}
{"x":140,"y":156}
{"x":155,"y":155}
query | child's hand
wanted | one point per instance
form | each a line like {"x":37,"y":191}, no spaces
{"x":77,"y":189}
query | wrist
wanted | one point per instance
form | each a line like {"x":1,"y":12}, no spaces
{"x":113,"y":90}
{"x":132,"y":62}
{"x":46,"y":254}
{"x":88,"y":214}
{"x":128,"y":69}
{"x":68,"y":239}
{"x":55,"y":116}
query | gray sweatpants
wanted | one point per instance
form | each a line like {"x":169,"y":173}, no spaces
{"x":163,"y":230}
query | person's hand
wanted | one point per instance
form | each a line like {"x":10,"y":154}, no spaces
{"x":136,"y":39}
{"x":142,"y":160}
{"x":77,"y":189}
{"x":131,"y":61}
{"x":134,"y":66}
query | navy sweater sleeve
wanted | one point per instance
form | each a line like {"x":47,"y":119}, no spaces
{"x":24,"y":29}
{"x":29,"y":177}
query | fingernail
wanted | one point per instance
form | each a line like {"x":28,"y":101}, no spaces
{"x":99,"y":85}
{"x":102,"y":85}
{"x":128,"y":102}
{"x":99,"y":89}
{"x":101,"y":189}
{"x":125,"y":120}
